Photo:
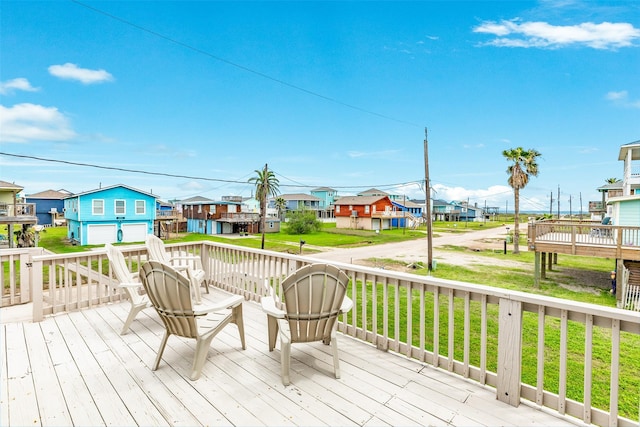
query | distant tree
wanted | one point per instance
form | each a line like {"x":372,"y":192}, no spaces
{"x":302,"y":222}
{"x":266,"y":185}
{"x":612,"y":180}
{"x":524,"y":164}
{"x":281,"y":206}
{"x":26,"y":236}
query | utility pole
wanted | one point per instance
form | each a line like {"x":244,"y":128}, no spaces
{"x":558,"y":202}
{"x":427,"y":201}
{"x":404,"y":213}
{"x":551,"y":205}
{"x":580,"y":194}
{"x":570,"y":210}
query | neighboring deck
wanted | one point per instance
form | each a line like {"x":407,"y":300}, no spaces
{"x":75,"y":369}
{"x":585,"y":239}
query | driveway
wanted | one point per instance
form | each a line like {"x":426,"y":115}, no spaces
{"x":416,"y":250}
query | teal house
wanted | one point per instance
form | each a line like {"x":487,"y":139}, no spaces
{"x":625,"y":211}
{"x":109,"y":215}
{"x":327,"y":197}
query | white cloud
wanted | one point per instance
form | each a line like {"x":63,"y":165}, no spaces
{"x":513,"y":33}
{"x":30,"y":122}
{"x":86,"y":76}
{"x":491,"y":195}
{"x":372,"y":154}
{"x":20,"y":83}
{"x":621,"y":98}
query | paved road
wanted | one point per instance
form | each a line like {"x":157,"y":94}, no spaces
{"x":416,"y":250}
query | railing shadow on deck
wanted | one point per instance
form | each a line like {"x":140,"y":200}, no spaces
{"x":546,"y":350}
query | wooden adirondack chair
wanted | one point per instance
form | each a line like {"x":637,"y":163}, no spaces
{"x":181,"y":262}
{"x":314,"y":296}
{"x":129,"y":282}
{"x":170,"y":294}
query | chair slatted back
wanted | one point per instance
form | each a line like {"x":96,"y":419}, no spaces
{"x":170,"y":294}
{"x":313,"y":296}
{"x":156,"y":249}
{"x":118,"y":264}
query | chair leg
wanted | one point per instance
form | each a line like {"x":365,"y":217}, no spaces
{"x":163,"y":343}
{"x":285,"y":358}
{"x":133,"y":312}
{"x":206,"y":285}
{"x":273,"y":331}
{"x":239,"y":321}
{"x":202,"y":349}
{"x":334,"y":349}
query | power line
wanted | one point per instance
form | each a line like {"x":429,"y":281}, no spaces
{"x":241,"y":67}
{"x":200,"y":178}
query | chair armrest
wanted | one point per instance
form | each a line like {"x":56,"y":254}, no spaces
{"x":269,"y":307}
{"x":347,"y":305}
{"x":130,"y":285}
{"x":209,"y":307}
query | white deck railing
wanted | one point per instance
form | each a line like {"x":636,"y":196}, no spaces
{"x":495,"y":337}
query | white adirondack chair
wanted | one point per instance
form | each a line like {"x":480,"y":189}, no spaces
{"x":170,"y":294}
{"x":314,"y":296}
{"x":181,"y":262}
{"x":129,"y":282}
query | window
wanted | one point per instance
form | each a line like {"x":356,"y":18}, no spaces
{"x":141,"y":207}
{"x":367,"y":208}
{"x":97,"y":207}
{"x":199,"y":208}
{"x":120,"y":207}
{"x":337,"y":208}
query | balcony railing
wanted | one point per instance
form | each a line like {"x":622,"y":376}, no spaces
{"x":17,"y":210}
{"x":495,"y":337}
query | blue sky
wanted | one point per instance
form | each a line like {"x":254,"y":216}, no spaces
{"x":331,"y":94}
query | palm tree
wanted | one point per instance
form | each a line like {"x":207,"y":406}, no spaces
{"x":524,"y":165}
{"x":611,"y":180}
{"x":281,"y":206}
{"x":266,"y":185}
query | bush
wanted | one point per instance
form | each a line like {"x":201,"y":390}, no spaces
{"x":302,"y":222}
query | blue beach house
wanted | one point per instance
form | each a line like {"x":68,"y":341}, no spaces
{"x":110,"y":215}
{"x":49,"y":206}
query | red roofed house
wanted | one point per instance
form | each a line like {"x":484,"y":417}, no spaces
{"x":364,"y":212}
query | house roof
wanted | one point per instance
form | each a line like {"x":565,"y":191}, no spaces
{"x":195,"y":200}
{"x":623,"y":199}
{"x":635,"y":155}
{"x":48,"y":194}
{"x":614,"y":186}
{"x":323,"y":189}
{"x":359,"y":200}
{"x":373,"y":192}
{"x":97,"y":190}
{"x":406,"y":203}
{"x":299,"y":196}
{"x":4,"y":185}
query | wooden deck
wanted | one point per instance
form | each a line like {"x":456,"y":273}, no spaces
{"x":75,"y":369}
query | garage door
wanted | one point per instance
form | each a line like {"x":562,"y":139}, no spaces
{"x":101,"y":234}
{"x":134,"y":232}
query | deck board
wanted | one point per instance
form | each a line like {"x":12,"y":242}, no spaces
{"x":76,"y":369}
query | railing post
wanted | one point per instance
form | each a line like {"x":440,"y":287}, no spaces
{"x":35,"y":274}
{"x":25,"y":279}
{"x":509,"y":351}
